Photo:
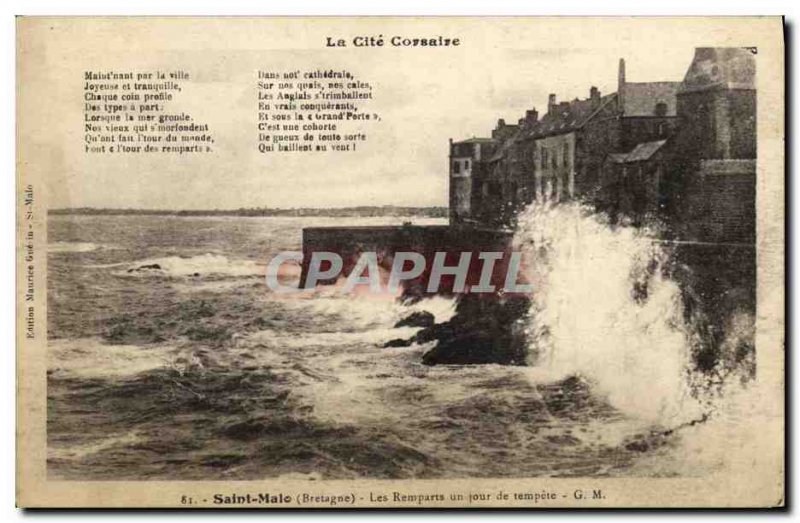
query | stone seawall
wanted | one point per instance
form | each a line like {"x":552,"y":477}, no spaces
{"x":350,"y":242}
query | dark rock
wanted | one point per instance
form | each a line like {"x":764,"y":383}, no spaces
{"x":146,"y":267}
{"x":435,"y":332}
{"x":417,"y":319}
{"x":483,"y":330}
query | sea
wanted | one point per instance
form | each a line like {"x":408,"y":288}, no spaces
{"x":170,"y":358}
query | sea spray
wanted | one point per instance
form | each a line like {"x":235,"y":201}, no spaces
{"x":603,"y":310}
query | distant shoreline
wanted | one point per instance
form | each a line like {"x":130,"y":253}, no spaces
{"x":336,"y":212}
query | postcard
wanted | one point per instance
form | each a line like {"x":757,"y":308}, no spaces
{"x":387,"y":262}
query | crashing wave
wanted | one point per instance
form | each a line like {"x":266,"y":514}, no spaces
{"x":602,"y":309}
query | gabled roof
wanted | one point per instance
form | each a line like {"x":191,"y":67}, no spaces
{"x":643,"y":151}
{"x":640,"y":99}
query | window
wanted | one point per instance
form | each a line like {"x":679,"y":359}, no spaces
{"x":466,"y":165}
{"x":456,"y":167}
{"x":661,"y":109}
{"x":565,"y":161}
{"x":543,"y":158}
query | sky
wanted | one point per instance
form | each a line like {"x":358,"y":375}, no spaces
{"x":424,"y":97}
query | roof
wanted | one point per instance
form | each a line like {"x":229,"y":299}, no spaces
{"x":476,"y":140}
{"x":641,"y":99}
{"x":506,"y":145}
{"x":643,"y":151}
{"x":566,"y":117}
{"x":720,"y":68}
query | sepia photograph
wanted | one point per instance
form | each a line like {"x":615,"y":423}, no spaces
{"x":400,"y":262}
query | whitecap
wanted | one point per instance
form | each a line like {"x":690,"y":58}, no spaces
{"x":91,"y":358}
{"x":195,"y":266}
{"x":65,"y":247}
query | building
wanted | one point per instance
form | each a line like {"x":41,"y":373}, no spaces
{"x":467,"y":160}
{"x":711,"y":186}
{"x":632,"y":183}
{"x":680,"y":153}
{"x":701,"y":182}
{"x":562,"y":155}
{"x":469,"y":164}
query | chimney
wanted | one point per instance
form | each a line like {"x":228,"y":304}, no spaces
{"x":594,"y":97}
{"x":497,"y":132}
{"x":531,"y":116}
{"x":621,"y":85}
{"x":551,"y":103}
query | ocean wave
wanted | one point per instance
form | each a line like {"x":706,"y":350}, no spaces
{"x":195,"y":266}
{"x":69,"y":247}
{"x":633,"y":344}
{"x":90,"y":358}
{"x":277,"y":339}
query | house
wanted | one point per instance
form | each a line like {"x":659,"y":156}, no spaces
{"x":632,"y":182}
{"x":469,"y":164}
{"x":574,"y":139}
{"x":467,"y":160}
{"x":562,"y":154}
{"x":701,"y":181}
{"x":682,"y":153}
